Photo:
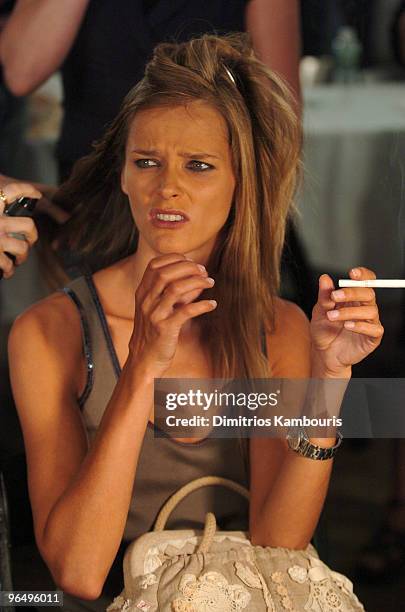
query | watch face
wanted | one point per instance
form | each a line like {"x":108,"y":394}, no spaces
{"x":294,"y":442}
{"x":294,"y":438}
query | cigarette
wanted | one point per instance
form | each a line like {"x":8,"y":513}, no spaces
{"x":389,"y":283}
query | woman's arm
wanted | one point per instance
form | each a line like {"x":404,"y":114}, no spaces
{"x":287,"y":489}
{"x":274,"y":26}
{"x":80,"y":497}
{"x":284,"y":486}
{"x":36,"y":40}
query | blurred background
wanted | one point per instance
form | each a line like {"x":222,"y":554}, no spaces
{"x":351,"y":212}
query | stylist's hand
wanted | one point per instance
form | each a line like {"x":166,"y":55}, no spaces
{"x":45,"y":205}
{"x":19,"y":225}
{"x":164,"y":301}
{"x":345,"y":325}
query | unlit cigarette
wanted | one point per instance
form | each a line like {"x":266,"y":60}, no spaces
{"x":389,"y":283}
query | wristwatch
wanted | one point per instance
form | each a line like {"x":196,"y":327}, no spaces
{"x":299,"y":442}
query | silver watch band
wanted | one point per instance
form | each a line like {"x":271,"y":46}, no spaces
{"x":300,"y":444}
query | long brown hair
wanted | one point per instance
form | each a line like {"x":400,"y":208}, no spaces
{"x":265,"y":140}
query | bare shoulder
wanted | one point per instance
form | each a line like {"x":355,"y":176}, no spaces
{"x":55,"y":315}
{"x":48,"y":331}
{"x":289,"y":342}
{"x":289,"y":318}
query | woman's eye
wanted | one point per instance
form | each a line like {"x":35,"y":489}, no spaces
{"x":199,"y":166}
{"x":145,"y":163}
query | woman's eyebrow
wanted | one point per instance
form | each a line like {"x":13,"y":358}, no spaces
{"x":198,"y":155}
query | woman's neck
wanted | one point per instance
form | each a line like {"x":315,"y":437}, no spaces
{"x":121,"y":284}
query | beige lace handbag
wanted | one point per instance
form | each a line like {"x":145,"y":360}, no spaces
{"x":221,"y":571}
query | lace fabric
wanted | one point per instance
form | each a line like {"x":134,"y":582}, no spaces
{"x":241,"y":577}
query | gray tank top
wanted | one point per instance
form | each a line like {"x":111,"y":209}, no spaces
{"x":164,"y":464}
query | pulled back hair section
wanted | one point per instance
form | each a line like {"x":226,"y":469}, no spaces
{"x":265,"y":141}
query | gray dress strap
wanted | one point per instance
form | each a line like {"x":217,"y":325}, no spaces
{"x":101,"y":373}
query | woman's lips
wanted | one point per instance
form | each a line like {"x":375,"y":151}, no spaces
{"x":167,"y":218}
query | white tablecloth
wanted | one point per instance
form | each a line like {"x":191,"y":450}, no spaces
{"x":352,"y":200}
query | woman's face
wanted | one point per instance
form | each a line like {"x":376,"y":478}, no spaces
{"x":179,"y":179}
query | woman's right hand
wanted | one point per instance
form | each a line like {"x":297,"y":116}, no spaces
{"x":164,"y":301}
{"x":15,"y":225}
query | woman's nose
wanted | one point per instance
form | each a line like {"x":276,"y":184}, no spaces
{"x":169,"y":186}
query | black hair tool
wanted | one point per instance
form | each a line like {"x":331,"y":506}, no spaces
{"x":23,"y":207}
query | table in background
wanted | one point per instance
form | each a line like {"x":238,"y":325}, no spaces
{"x":352,"y":202}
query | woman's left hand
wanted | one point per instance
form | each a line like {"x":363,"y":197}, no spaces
{"x":345,"y":325}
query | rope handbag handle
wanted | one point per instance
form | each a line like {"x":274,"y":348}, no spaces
{"x":210,"y":521}
{"x":178,"y":496}
{"x":210,"y":528}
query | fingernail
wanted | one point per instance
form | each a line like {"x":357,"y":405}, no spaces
{"x":349,"y":324}
{"x":213,"y":302}
{"x":210,"y":280}
{"x":201,"y":268}
{"x":333,"y":314}
{"x":338,"y":295}
{"x":356,"y":272}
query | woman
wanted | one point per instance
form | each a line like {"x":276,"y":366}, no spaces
{"x":184,"y":204}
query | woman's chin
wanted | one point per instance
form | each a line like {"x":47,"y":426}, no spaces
{"x":166,"y":246}
{"x":172,"y":247}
